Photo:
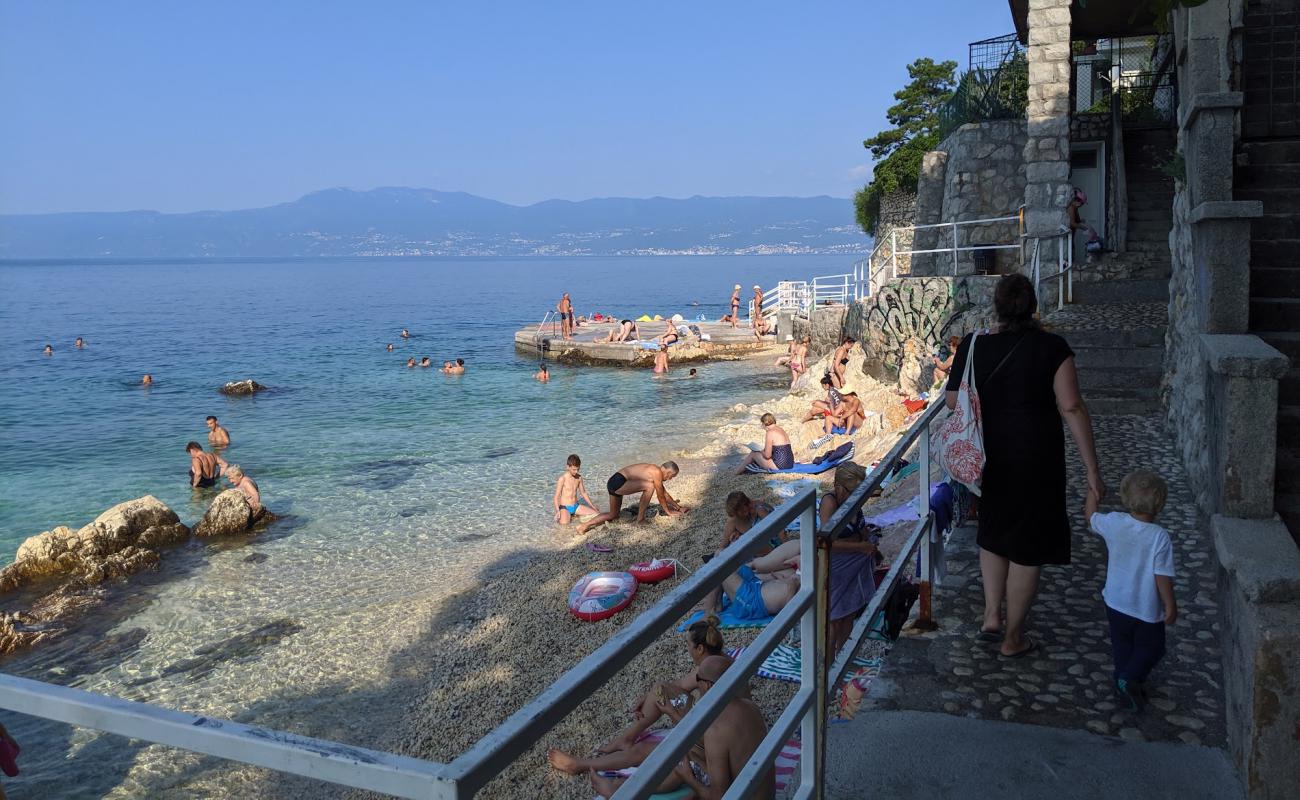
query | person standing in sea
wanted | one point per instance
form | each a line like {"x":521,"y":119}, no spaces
{"x":217,"y":435}
{"x":204,"y":467}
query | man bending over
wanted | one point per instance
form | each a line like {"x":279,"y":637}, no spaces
{"x":646,"y":479}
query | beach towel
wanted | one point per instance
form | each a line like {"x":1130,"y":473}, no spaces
{"x":726,"y":618}
{"x":655,"y":345}
{"x":644,"y":318}
{"x":806,"y":469}
{"x":786,"y":762}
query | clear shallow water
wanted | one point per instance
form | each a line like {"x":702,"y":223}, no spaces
{"x":396,"y":482}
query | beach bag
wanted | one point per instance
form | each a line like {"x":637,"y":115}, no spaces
{"x":958,"y":445}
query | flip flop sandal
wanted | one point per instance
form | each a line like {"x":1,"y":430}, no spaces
{"x":1033,"y":645}
{"x":989,"y":636}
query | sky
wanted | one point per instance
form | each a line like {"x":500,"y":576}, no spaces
{"x":223,"y":105}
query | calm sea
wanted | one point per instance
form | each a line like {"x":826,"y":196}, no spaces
{"x":393,"y":480}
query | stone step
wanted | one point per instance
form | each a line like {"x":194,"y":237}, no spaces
{"x":1274,"y":314}
{"x":1274,"y":152}
{"x":1276,"y":226}
{"x":1134,"y":291}
{"x":1288,"y":344}
{"x":1154,"y":215}
{"x":1113,"y":402}
{"x":1274,"y":282}
{"x":1117,"y":377}
{"x":1275,"y":252}
{"x":1280,"y":200}
{"x":1269,"y":176}
{"x":1118,"y":357}
{"x":1137,"y":337}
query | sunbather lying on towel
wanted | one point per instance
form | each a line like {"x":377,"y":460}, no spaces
{"x":754,"y":590}
{"x":624,"y":332}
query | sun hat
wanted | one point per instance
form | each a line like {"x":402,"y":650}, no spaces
{"x":738,"y":286}
{"x":756,"y":286}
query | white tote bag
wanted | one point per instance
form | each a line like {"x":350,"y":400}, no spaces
{"x":958,"y":444}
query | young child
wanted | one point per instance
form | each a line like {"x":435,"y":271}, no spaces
{"x":1139,"y":591}
{"x":567,"y":491}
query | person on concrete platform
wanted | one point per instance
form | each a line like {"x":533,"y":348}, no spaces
{"x":1027,"y":384}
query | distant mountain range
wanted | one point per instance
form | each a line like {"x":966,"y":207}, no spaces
{"x":405,"y":222}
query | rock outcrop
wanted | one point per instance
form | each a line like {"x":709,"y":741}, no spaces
{"x":229,"y":513}
{"x":117,"y":543}
{"x":244,"y":387}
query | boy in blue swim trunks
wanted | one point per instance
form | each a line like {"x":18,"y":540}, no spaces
{"x":568,"y":489}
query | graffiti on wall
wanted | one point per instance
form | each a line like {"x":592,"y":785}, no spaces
{"x":910,"y":309}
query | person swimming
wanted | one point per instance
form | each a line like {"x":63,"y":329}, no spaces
{"x":80,"y":343}
{"x":217,"y":435}
{"x":425,"y":362}
{"x":147,"y":380}
{"x":455,"y":369}
{"x":406,"y":334}
{"x":410,"y":362}
{"x":49,"y":350}
{"x":390,"y":347}
{"x":542,"y":374}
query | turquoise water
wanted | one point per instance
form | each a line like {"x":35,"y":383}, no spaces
{"x":395,"y":482}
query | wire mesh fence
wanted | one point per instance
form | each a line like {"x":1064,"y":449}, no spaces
{"x":1138,"y":69}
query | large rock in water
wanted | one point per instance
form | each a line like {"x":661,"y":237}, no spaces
{"x":116,"y":543}
{"x":243,"y":387}
{"x":230,"y":513}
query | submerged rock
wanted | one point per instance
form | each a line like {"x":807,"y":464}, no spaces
{"x":229,"y":514}
{"x":244,"y":387}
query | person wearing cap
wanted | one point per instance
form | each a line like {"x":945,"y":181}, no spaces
{"x":735,"y":305}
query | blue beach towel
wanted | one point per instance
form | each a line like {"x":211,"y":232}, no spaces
{"x":655,"y":345}
{"x":726,"y":618}
{"x":815,"y":468}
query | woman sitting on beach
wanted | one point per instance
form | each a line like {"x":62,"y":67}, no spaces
{"x":671,"y":699}
{"x":777,"y":454}
{"x":853,"y":557}
{"x":742,"y":513}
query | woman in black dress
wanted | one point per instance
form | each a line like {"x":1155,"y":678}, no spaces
{"x":1026,"y":384}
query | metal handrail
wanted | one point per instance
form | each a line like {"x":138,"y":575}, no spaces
{"x":954,"y":249}
{"x":1064,"y":274}
{"x":463,"y":777}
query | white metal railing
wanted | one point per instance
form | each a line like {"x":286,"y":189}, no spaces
{"x":878,"y":262}
{"x":829,"y":289}
{"x":785,"y":296}
{"x":1064,"y":274}
{"x":463,"y":777}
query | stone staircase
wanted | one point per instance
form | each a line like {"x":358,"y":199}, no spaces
{"x":1269,"y":171}
{"x":1117,"y":331}
{"x":1150,"y":202}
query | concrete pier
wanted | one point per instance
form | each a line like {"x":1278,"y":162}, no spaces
{"x":723,"y":342}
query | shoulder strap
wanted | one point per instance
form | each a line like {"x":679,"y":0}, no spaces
{"x":1007,"y":356}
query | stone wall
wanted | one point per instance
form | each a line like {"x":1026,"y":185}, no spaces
{"x":1089,"y":127}
{"x":824,"y":328}
{"x":977,"y":172}
{"x":897,"y":210}
{"x":924,"y":311}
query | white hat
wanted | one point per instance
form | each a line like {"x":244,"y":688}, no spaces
{"x":756,"y":286}
{"x":738,"y":286}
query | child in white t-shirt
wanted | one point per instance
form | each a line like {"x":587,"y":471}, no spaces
{"x":1139,"y":590}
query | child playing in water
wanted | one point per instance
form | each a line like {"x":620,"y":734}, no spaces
{"x":1139,"y":591}
{"x":567,"y":491}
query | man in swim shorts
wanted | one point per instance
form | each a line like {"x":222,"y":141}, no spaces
{"x":735,"y":305}
{"x":565,"y":307}
{"x":204,"y":469}
{"x":646,"y":479}
{"x":217,"y":435}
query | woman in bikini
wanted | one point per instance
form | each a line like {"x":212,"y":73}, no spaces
{"x":670,"y":334}
{"x":798,"y":359}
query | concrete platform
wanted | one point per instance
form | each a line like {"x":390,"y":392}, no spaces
{"x":918,"y":755}
{"x":724,"y":343}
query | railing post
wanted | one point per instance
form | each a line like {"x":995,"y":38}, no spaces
{"x":954,"y":248}
{"x":812,"y":638}
{"x":1060,"y":271}
{"x":893,"y":250}
{"x":925,"y":616}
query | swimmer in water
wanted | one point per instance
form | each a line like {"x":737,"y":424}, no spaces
{"x":217,"y":435}
{"x":661,"y":360}
{"x":458,"y":368}
{"x":80,"y":343}
{"x":571,"y":498}
{"x":425,"y":362}
{"x":410,"y":362}
{"x":49,"y":350}
{"x":406,"y":334}
{"x":694,"y":373}
{"x":147,"y":380}
{"x":390,"y":347}
{"x":446,"y":367}
{"x":204,"y":468}
{"x":543,"y":374}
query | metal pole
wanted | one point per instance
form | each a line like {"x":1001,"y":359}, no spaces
{"x":810,"y":668}
{"x":893,"y":250}
{"x":925,"y":617}
{"x":954,"y":249}
{"x":1060,"y":271}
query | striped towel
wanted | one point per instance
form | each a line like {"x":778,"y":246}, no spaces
{"x":784,"y":664}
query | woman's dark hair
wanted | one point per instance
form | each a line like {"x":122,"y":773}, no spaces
{"x":706,"y":634}
{"x":1015,"y":303}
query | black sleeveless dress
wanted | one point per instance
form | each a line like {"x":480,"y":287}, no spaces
{"x":1022,"y":511}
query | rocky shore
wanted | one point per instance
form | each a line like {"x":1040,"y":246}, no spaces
{"x":58,"y":575}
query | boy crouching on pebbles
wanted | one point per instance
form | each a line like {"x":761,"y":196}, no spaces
{"x":1139,"y":591}
{"x":568,"y":489}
